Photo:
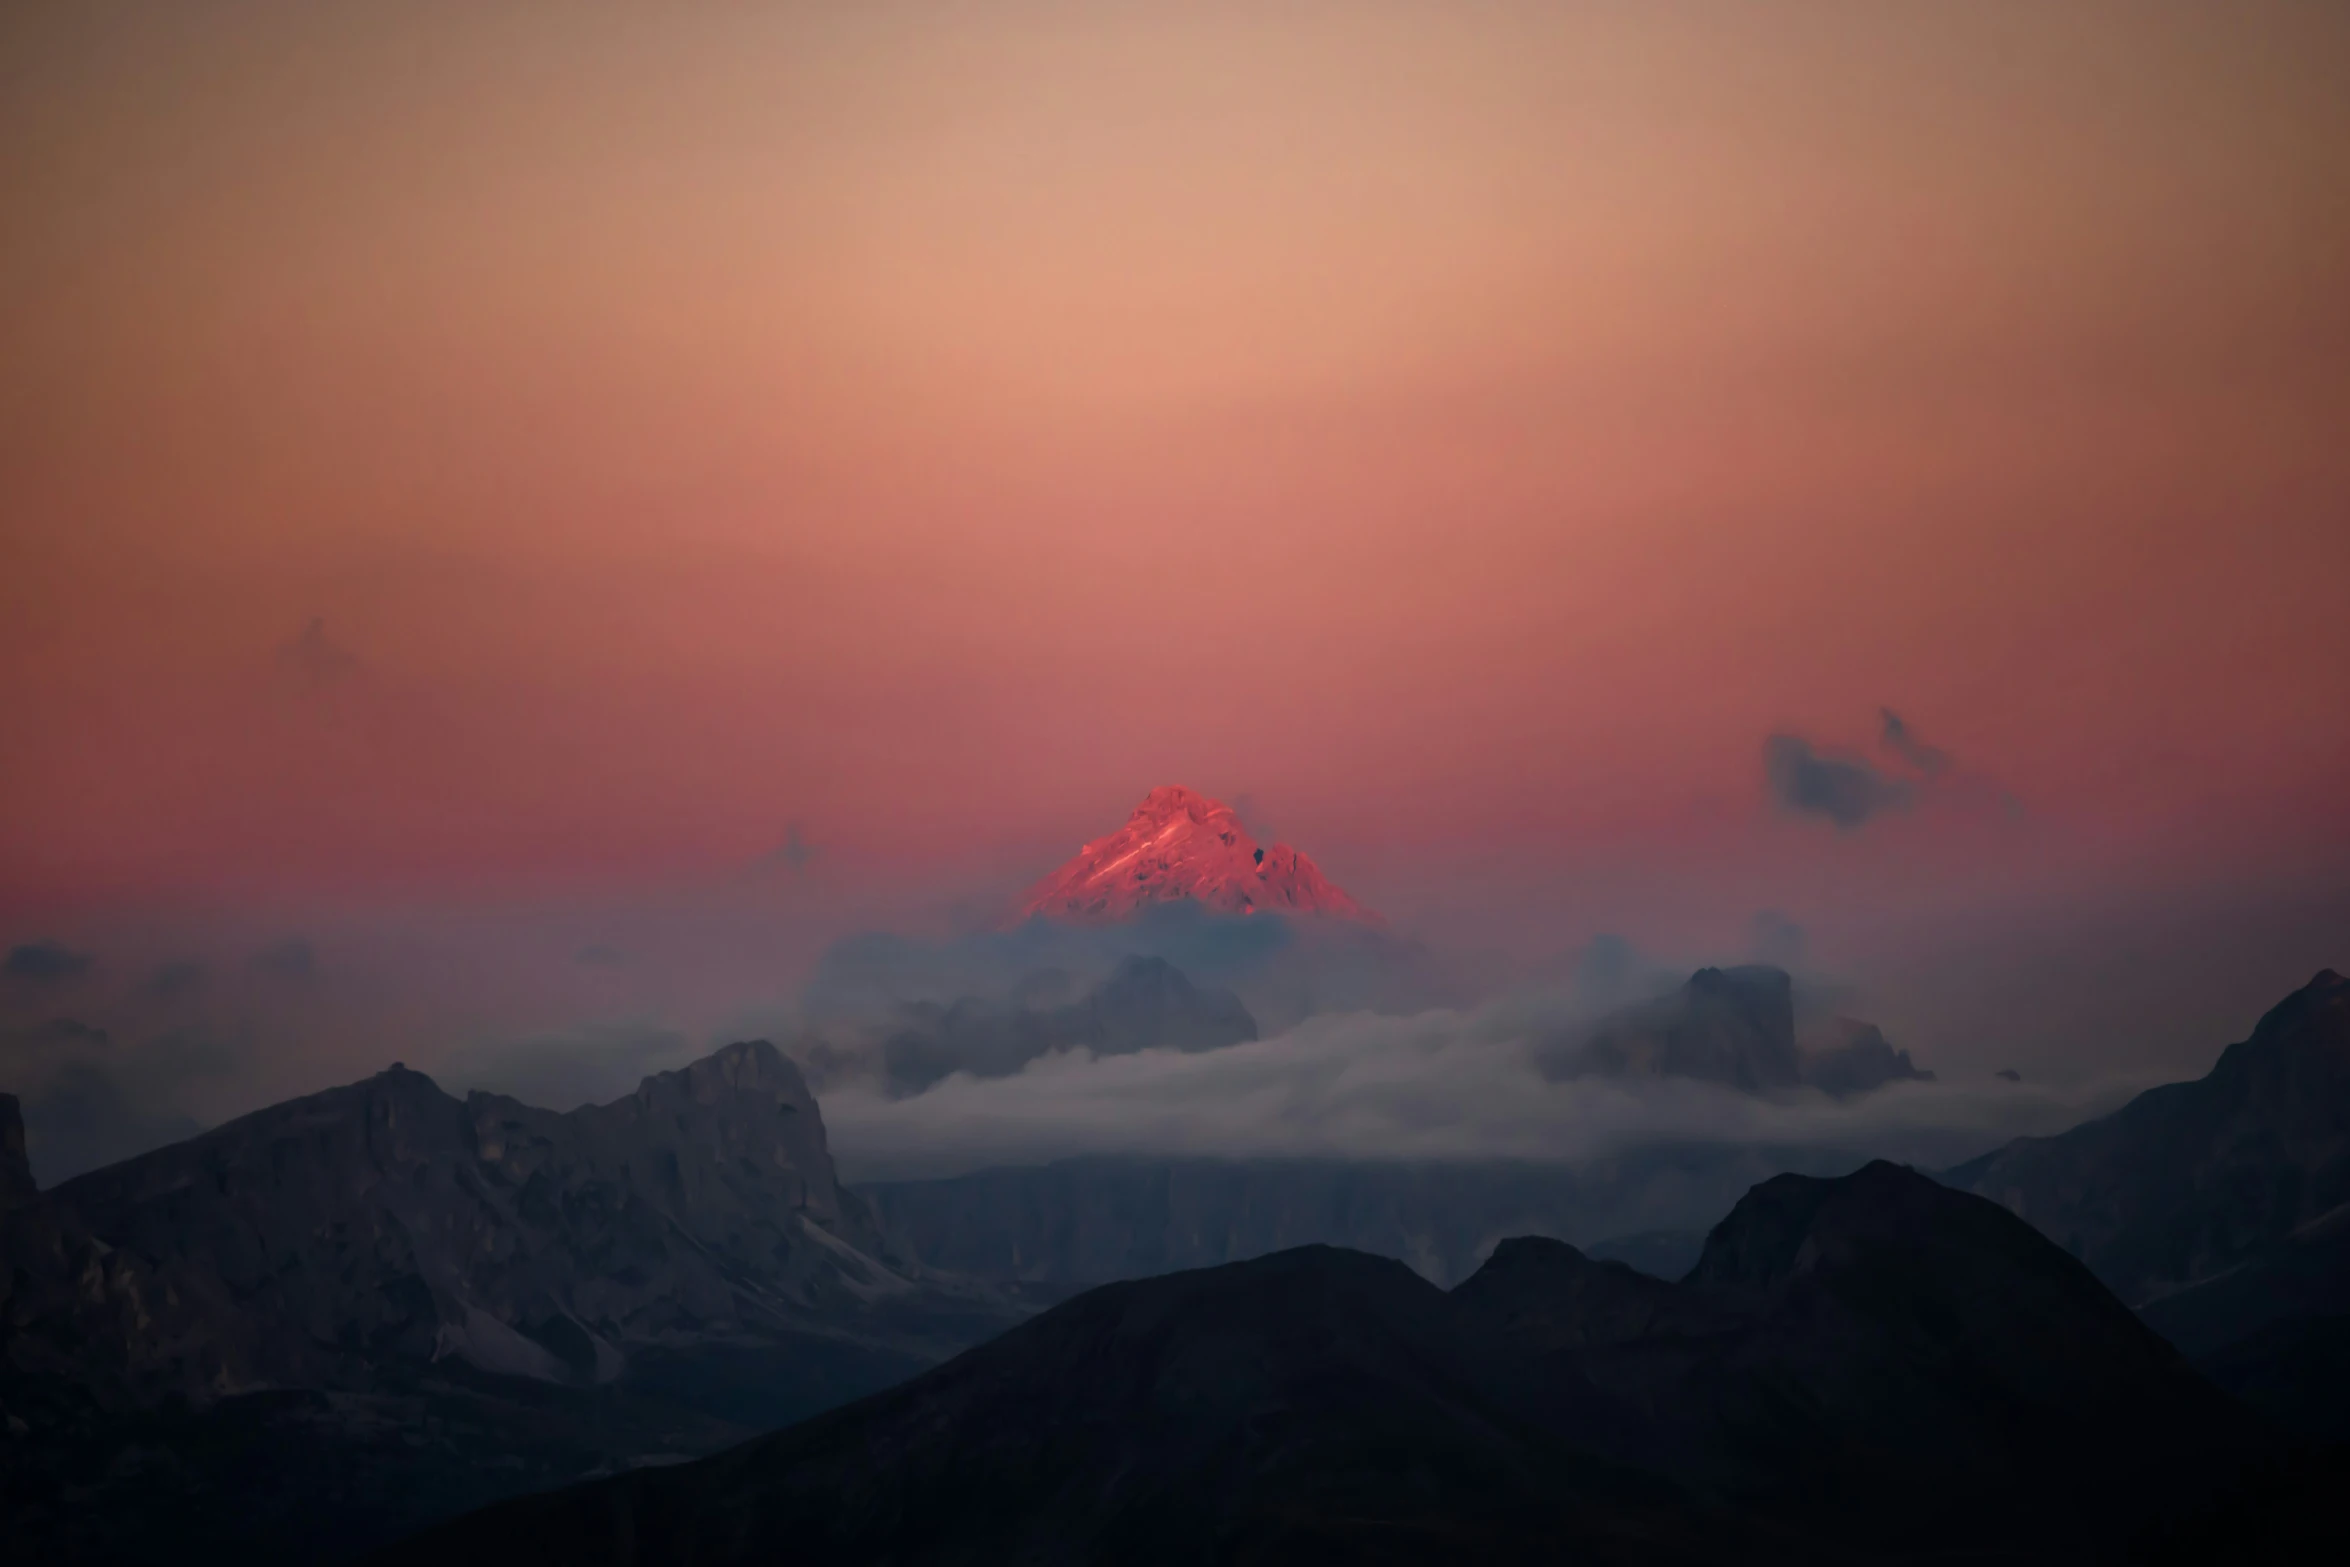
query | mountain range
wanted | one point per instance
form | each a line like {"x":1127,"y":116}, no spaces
{"x":2220,"y":1207}
{"x":531,"y":1295}
{"x":313,"y":1330}
{"x":1869,"y":1368}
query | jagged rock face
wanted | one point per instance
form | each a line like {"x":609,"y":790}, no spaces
{"x":16,"y":1171}
{"x":1182,"y":845}
{"x":388,"y":1221}
{"x":2189,"y":1180}
{"x":1854,"y":1058}
{"x":1733,"y":1026}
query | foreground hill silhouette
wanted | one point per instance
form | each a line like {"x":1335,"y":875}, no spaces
{"x":1864,"y":1368}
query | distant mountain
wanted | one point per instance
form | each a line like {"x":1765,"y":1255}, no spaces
{"x":1863,"y":1369}
{"x":1182,"y":846}
{"x":2221,"y":1207}
{"x":1145,"y":1004}
{"x":649,"y":1275}
{"x":1731,"y":1026}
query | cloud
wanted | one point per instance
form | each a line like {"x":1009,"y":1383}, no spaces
{"x":596,"y":955}
{"x":44,"y":962}
{"x":1843,"y":788}
{"x":1897,"y":737}
{"x":1436,"y":1086}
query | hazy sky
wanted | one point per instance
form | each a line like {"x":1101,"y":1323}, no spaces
{"x":489,"y":457}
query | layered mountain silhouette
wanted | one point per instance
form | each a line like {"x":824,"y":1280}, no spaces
{"x":1731,"y":1026}
{"x":1177,"y":846}
{"x":1079,"y":1222}
{"x":1869,"y":1368}
{"x":2220,"y":1207}
{"x":552,"y":1293}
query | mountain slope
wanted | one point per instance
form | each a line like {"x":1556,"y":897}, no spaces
{"x":331,"y":1321}
{"x":1180,"y":845}
{"x":389,"y":1221}
{"x":1322,"y":1405}
{"x":2189,"y":1180}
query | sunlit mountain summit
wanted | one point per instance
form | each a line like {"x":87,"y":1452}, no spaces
{"x":1178,"y":846}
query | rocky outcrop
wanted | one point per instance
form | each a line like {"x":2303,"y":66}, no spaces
{"x":1182,"y":846}
{"x":315,"y":1243}
{"x":1854,"y":1057}
{"x":1733,"y":1026}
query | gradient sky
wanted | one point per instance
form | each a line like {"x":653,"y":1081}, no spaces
{"x":1464,"y":433}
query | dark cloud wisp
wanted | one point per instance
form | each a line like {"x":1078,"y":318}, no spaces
{"x":44,"y":962}
{"x":1903,"y":741}
{"x":1843,"y":789}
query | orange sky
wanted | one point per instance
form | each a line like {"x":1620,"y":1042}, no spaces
{"x":1465,"y":431}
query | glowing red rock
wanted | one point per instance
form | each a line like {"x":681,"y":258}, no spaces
{"x":1179,"y":844}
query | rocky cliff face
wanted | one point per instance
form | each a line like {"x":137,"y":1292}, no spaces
{"x":2190,"y":1180}
{"x":1180,"y":845}
{"x":1731,"y":1026}
{"x":387,"y":1223}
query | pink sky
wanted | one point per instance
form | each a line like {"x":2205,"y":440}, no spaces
{"x":1465,"y":433}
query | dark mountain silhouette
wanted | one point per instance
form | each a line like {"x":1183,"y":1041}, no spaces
{"x":1868,"y":1367}
{"x":2221,"y":1207}
{"x":1080,"y":1222}
{"x":530,"y":1296}
{"x":2191,"y":1179}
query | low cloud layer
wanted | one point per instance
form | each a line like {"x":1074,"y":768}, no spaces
{"x":1437,"y":1086}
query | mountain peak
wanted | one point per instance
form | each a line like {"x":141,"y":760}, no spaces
{"x":1177,"y":845}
